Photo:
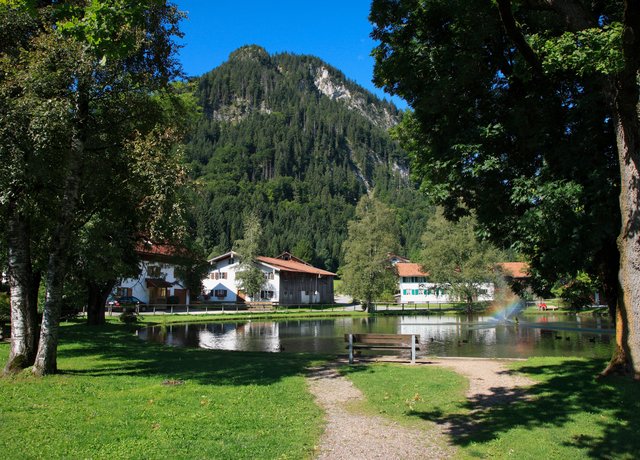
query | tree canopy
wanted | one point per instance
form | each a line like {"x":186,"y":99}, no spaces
{"x":453,"y":257}
{"x":251,"y":279}
{"x":527,"y":113}
{"x":372,"y":236}
{"x":84,"y":87}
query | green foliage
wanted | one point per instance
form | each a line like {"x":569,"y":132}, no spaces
{"x":578,"y":292}
{"x":367,"y":271}
{"x":249,"y":276}
{"x":589,"y":51}
{"x":532,"y":153}
{"x":128,"y":316}
{"x":268,"y":140}
{"x":5,"y":308}
{"x":455,"y":258}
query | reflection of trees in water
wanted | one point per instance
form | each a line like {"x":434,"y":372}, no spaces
{"x":441,"y":335}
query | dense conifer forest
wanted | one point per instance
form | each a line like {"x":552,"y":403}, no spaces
{"x":291,"y":138}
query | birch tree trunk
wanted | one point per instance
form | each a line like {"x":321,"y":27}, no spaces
{"x":23,"y":303}
{"x":46,"y":358}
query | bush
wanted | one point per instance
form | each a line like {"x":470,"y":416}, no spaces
{"x":5,"y":308}
{"x":577,"y":292}
{"x":129,"y":317}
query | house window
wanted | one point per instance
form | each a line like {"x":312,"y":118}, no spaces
{"x":154,"y":271}
{"x":269,"y":275}
{"x":414,"y":292}
{"x":266,"y":294}
{"x":123,"y":292}
{"x":220,"y":293}
{"x":231,"y":260}
{"x":219,"y":276}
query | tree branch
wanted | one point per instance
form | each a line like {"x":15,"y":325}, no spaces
{"x":516,"y":35}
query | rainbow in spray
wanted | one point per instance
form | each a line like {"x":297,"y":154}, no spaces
{"x":509,"y":312}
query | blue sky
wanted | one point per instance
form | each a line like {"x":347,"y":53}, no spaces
{"x":335,"y":31}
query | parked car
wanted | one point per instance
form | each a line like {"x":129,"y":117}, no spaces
{"x":112,"y":301}
{"x":125,"y":301}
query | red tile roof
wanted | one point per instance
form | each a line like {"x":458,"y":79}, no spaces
{"x":409,"y":269}
{"x":515,"y":269}
{"x":293,"y":266}
{"x":146,"y":249}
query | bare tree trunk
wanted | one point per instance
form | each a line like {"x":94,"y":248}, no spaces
{"x":627,"y":125}
{"x":23,"y":305}
{"x":97,"y":297}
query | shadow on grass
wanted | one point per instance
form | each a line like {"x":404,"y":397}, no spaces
{"x":113,"y":349}
{"x":568,"y":390}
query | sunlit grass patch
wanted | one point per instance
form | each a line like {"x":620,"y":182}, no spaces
{"x":118,"y":397}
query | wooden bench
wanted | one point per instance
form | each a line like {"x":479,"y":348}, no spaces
{"x":383,"y":342}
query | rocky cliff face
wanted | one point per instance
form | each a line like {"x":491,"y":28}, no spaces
{"x":334,"y":89}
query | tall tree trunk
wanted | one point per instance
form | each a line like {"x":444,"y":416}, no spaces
{"x":627,"y":125}
{"x":46,"y":359}
{"x":23,"y":305}
{"x":96,"y":298}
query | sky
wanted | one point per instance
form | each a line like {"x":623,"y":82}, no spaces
{"x":335,"y":31}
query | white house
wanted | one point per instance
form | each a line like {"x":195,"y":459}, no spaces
{"x":415,"y":287}
{"x":288,"y":280}
{"x":157,"y":282}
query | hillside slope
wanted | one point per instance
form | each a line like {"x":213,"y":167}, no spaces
{"x":291,"y":137}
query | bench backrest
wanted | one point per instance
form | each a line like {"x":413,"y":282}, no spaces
{"x":383,"y":339}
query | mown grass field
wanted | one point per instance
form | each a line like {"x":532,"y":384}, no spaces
{"x":570,"y":414}
{"x":110,"y":401}
{"x":119,"y":397}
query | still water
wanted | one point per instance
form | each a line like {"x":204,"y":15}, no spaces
{"x":442,"y":335}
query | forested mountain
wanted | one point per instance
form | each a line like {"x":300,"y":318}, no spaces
{"x":292,"y":138}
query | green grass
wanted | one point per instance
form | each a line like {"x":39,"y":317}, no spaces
{"x":109,"y":401}
{"x":147,"y":318}
{"x":571,"y":414}
{"x":403,"y":392}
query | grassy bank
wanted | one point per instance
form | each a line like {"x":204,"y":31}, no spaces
{"x":570,"y":416}
{"x":117,"y":397}
{"x":209,"y":318}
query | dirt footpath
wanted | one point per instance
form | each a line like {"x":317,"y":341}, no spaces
{"x":355,"y":436}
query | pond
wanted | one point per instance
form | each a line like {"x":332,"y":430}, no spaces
{"x":440,"y":335}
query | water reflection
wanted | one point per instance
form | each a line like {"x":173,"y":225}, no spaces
{"x":442,"y":335}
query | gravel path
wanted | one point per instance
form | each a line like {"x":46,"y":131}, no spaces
{"x":350,"y":435}
{"x":355,"y":436}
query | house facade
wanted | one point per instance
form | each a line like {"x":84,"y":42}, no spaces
{"x":415,"y":287}
{"x":288,"y":281}
{"x":158,"y":282}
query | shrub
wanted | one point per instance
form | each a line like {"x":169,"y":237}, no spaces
{"x":577,"y":292}
{"x":5,"y":308}
{"x":129,"y":317}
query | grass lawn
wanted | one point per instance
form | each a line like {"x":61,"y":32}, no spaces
{"x":110,"y":401}
{"x":571,"y":415}
{"x":148,"y":318}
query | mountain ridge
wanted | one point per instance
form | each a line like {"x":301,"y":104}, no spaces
{"x":293,"y":138}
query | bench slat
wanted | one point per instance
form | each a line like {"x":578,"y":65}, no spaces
{"x":382,"y":342}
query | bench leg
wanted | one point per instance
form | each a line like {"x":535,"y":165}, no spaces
{"x":413,"y":349}
{"x":350,"y":348}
